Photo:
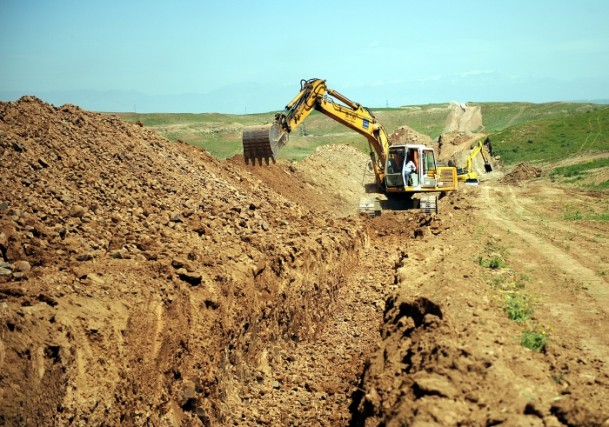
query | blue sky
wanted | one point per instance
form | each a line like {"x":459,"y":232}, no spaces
{"x":249,"y":56}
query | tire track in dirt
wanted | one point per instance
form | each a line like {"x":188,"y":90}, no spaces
{"x":515,"y":117}
{"x":541,"y":234}
{"x":591,"y":133}
{"x":536,"y":207}
{"x":586,"y":288}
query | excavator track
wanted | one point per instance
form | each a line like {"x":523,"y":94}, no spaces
{"x":262,"y":142}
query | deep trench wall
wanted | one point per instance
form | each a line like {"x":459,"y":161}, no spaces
{"x":287,"y":303}
{"x":145,"y":281}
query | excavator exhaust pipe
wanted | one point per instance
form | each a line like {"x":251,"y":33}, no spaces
{"x":263,"y":142}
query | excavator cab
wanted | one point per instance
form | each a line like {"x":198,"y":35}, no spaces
{"x":399,"y":156}
{"x":427,"y":177}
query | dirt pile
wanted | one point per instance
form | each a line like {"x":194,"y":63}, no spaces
{"x":454,"y":146}
{"x":406,"y":135}
{"x":463,"y":118}
{"x":522,"y":172}
{"x":330,"y":181}
{"x":455,"y":138}
{"x":144,"y":281}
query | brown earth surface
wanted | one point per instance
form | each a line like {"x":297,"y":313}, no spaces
{"x":144,"y":282}
{"x":463,"y":118}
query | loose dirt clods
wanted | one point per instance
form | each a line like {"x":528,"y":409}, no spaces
{"x":144,"y":282}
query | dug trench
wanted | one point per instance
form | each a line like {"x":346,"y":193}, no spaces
{"x":144,"y":282}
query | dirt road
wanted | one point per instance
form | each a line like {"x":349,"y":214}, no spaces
{"x":146,"y":283}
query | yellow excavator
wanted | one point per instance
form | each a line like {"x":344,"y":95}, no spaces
{"x":469,"y":174}
{"x":388,"y":161}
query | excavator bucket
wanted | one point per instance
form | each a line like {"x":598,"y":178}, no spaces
{"x":263,"y":142}
{"x":488,"y":167}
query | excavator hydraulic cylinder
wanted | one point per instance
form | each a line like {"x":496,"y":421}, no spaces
{"x":263,"y":142}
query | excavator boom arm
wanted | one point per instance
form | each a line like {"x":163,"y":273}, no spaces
{"x":299,"y":108}
{"x":263,"y":142}
{"x":362,"y":121}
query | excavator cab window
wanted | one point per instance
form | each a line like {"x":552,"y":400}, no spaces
{"x":395,"y":162}
{"x":429,"y":169}
{"x":429,"y":161}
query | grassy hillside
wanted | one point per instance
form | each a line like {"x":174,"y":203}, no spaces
{"x":220,"y":134}
{"x":519,"y":131}
{"x":499,"y":116}
{"x":593,"y":174}
{"x":554,"y":139}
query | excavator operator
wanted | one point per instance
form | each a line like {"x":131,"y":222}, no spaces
{"x":409,"y":168}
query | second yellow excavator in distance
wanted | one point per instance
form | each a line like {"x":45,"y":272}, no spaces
{"x":388,"y":161}
{"x":468,"y":174}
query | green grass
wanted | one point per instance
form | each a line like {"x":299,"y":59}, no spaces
{"x":509,"y":287}
{"x":601,"y":186}
{"x":582,"y":173}
{"x":580,"y":168}
{"x":499,"y":116}
{"x":573,"y":213}
{"x":554,"y":139}
{"x":494,"y":262}
{"x":572,"y":216}
{"x":578,"y":216}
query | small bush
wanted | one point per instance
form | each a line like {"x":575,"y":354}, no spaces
{"x":534,"y":340}
{"x":493,"y":263}
{"x":517,"y":307}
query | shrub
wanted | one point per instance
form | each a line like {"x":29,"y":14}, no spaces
{"x":493,"y":263}
{"x":517,"y":307}
{"x":534,"y":340}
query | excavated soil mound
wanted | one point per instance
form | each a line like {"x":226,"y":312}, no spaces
{"x":521,"y":172}
{"x":455,"y":138}
{"x":455,"y":146}
{"x":406,"y":135}
{"x":143,"y":281}
{"x":463,"y":118}
{"x":331,"y":180}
